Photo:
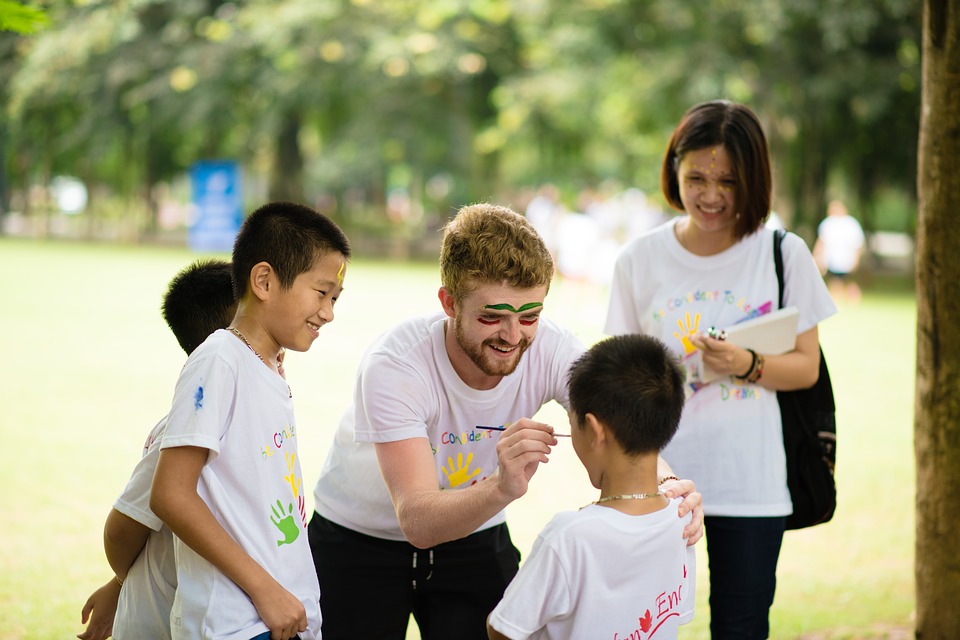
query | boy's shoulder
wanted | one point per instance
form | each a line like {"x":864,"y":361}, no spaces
{"x":219,"y":340}
{"x":610,"y":521}
{"x":221,"y":344}
{"x":570,"y":524}
{"x":220,"y":352}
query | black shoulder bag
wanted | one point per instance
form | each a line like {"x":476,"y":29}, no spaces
{"x":809,"y":437}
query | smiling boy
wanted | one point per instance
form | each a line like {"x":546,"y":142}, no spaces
{"x":228,"y":480}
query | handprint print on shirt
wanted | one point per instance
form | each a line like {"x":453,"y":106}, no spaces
{"x":296,"y":484}
{"x":285,"y":523}
{"x":687,"y":330}
{"x":459,"y":474}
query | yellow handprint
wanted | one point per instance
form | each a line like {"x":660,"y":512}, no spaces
{"x":295,"y":483}
{"x":687,"y":330}
{"x":460,"y":474}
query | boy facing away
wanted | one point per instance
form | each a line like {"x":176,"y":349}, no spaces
{"x":139,"y":548}
{"x":619,"y":567}
{"x":228,"y":481}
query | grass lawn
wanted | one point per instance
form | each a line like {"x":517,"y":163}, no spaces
{"x":90,"y":368}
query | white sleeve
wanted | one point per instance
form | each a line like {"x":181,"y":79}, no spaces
{"x":568,"y":349}
{"x":202,"y":404}
{"x":803,"y":286}
{"x":538,"y":594}
{"x":391,"y":401}
{"x":688,"y":604}
{"x":134,"y":502}
{"x":622,"y":316}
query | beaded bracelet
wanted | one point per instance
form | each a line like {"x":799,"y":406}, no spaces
{"x":754,"y":376}
{"x":665,"y":478}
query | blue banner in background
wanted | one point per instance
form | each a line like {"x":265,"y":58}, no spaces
{"x":218,"y":205}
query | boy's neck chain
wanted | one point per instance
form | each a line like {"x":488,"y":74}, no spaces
{"x":630,"y":496}
{"x":237,"y":333}
{"x":242,"y":337}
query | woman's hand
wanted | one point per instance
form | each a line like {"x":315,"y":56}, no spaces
{"x":723,"y":357}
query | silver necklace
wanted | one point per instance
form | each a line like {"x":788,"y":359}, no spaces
{"x":237,"y":333}
{"x":630,"y":496}
{"x":242,"y":337}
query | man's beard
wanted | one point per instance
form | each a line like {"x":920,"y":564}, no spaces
{"x":484,"y":362}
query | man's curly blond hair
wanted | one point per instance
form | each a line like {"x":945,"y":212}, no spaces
{"x":491,"y":244}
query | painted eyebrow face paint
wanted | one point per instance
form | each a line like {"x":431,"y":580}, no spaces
{"x":503,"y":306}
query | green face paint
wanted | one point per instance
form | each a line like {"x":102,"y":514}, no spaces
{"x":503,"y":306}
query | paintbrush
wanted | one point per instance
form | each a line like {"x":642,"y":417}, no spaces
{"x":480,"y":426}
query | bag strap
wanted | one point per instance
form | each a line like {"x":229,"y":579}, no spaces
{"x":778,"y":236}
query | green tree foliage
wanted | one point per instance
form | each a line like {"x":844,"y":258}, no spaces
{"x":20,"y":18}
{"x":482,"y":97}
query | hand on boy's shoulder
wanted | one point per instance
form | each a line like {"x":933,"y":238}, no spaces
{"x":692,"y":503}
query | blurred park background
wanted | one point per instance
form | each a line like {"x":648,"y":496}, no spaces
{"x":388,"y":116}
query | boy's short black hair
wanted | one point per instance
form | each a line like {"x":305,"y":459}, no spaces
{"x":634,"y":385}
{"x":199,"y":300}
{"x":290,"y":237}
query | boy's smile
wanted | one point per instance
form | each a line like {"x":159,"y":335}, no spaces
{"x":308,"y":304}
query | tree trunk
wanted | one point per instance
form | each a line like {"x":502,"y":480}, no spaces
{"x":937,"y":412}
{"x":286,"y":182}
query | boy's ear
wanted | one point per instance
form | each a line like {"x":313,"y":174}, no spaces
{"x":447,"y":302}
{"x":596,"y":432}
{"x":261,"y":280}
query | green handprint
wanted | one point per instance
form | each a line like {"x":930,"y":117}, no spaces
{"x":287,"y":525}
{"x":460,"y":474}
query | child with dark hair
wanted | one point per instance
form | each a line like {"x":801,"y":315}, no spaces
{"x":618,"y":567}
{"x":228,"y":481}
{"x":197,"y":301}
{"x":136,"y":602}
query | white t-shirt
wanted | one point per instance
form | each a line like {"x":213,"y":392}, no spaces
{"x":227,"y":401}
{"x":143,"y":610}
{"x":842,"y":239}
{"x":601,"y":573}
{"x":407,"y":388}
{"x":730,"y":439}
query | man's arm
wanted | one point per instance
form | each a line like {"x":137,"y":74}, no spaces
{"x":175,"y":500}
{"x":429,"y":516}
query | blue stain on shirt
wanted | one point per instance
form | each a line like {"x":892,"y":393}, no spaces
{"x":198,"y":399}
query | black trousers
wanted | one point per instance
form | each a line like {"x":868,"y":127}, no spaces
{"x":369,"y":586}
{"x":742,"y":554}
